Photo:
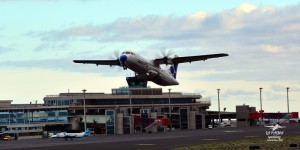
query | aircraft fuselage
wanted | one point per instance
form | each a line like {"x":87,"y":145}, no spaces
{"x":146,"y":70}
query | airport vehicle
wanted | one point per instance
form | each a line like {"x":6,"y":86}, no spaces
{"x":276,"y":127}
{"x":150,"y":70}
{"x":71,"y":135}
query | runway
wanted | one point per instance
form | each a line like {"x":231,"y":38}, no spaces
{"x":153,"y":141}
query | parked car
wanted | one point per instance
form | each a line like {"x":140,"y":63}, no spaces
{"x":7,"y":138}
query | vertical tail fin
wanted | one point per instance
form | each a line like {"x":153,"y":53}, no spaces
{"x":173,"y":70}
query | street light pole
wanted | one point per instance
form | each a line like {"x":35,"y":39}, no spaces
{"x":219,"y":105}
{"x":170,"y":109}
{"x":261,"y":111}
{"x":84,"y":111}
{"x":130,"y":102}
{"x":287,"y":98}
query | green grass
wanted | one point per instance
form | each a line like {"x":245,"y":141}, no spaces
{"x":244,"y":144}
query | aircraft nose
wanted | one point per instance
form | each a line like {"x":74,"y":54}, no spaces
{"x":123,"y":58}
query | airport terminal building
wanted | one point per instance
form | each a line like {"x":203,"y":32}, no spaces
{"x":123,"y":111}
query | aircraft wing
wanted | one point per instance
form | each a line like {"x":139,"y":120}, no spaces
{"x":99,"y":62}
{"x":190,"y":58}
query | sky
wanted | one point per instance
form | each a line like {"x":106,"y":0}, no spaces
{"x":40,"y":38}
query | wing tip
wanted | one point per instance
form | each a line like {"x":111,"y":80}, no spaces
{"x":224,"y":54}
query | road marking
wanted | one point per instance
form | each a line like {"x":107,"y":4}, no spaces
{"x":209,"y":139}
{"x":232,"y":131}
{"x":146,"y":144}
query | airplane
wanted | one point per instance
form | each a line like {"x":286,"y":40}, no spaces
{"x":150,"y":70}
{"x":71,"y":135}
{"x":276,"y":127}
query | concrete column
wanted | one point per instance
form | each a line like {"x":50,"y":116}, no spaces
{"x":132,"y":125}
{"x":75,"y":123}
{"x":203,"y":121}
{"x":119,"y":123}
{"x":192,"y":120}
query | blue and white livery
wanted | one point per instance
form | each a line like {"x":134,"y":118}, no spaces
{"x":71,"y":135}
{"x":150,"y":70}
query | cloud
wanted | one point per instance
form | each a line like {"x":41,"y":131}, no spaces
{"x":256,"y":37}
{"x":276,"y":73}
{"x":52,"y":46}
{"x":42,"y":1}
{"x":239,"y":92}
{"x":281,"y":87}
{"x":65,"y":65}
{"x":262,"y":41}
{"x":253,"y":26}
{"x":260,"y":45}
{"x":272,"y":48}
{"x":246,"y":7}
{"x":4,"y":50}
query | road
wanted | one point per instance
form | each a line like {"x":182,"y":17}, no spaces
{"x":153,"y":141}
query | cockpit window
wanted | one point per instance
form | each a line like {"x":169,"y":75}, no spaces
{"x":128,"y":52}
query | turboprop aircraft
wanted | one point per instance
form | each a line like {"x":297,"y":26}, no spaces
{"x":71,"y":135}
{"x":150,"y":70}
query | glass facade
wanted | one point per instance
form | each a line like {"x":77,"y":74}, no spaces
{"x":110,"y":121}
{"x":122,"y":101}
{"x":183,"y":118}
{"x":59,"y":102}
{"x":145,"y":121}
{"x":126,"y":125}
{"x":138,"y":101}
{"x":198,"y":121}
{"x":33,"y":116}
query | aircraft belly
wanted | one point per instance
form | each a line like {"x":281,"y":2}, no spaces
{"x":165,"y":80}
{"x":147,"y":72}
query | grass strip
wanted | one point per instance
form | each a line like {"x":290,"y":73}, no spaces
{"x":245,"y":144}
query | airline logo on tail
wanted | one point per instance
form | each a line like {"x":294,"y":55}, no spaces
{"x":173,"y":70}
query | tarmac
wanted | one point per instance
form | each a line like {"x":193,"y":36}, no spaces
{"x":152,"y":141}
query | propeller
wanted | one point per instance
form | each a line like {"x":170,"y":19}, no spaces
{"x":167,"y":55}
{"x":116,"y":56}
